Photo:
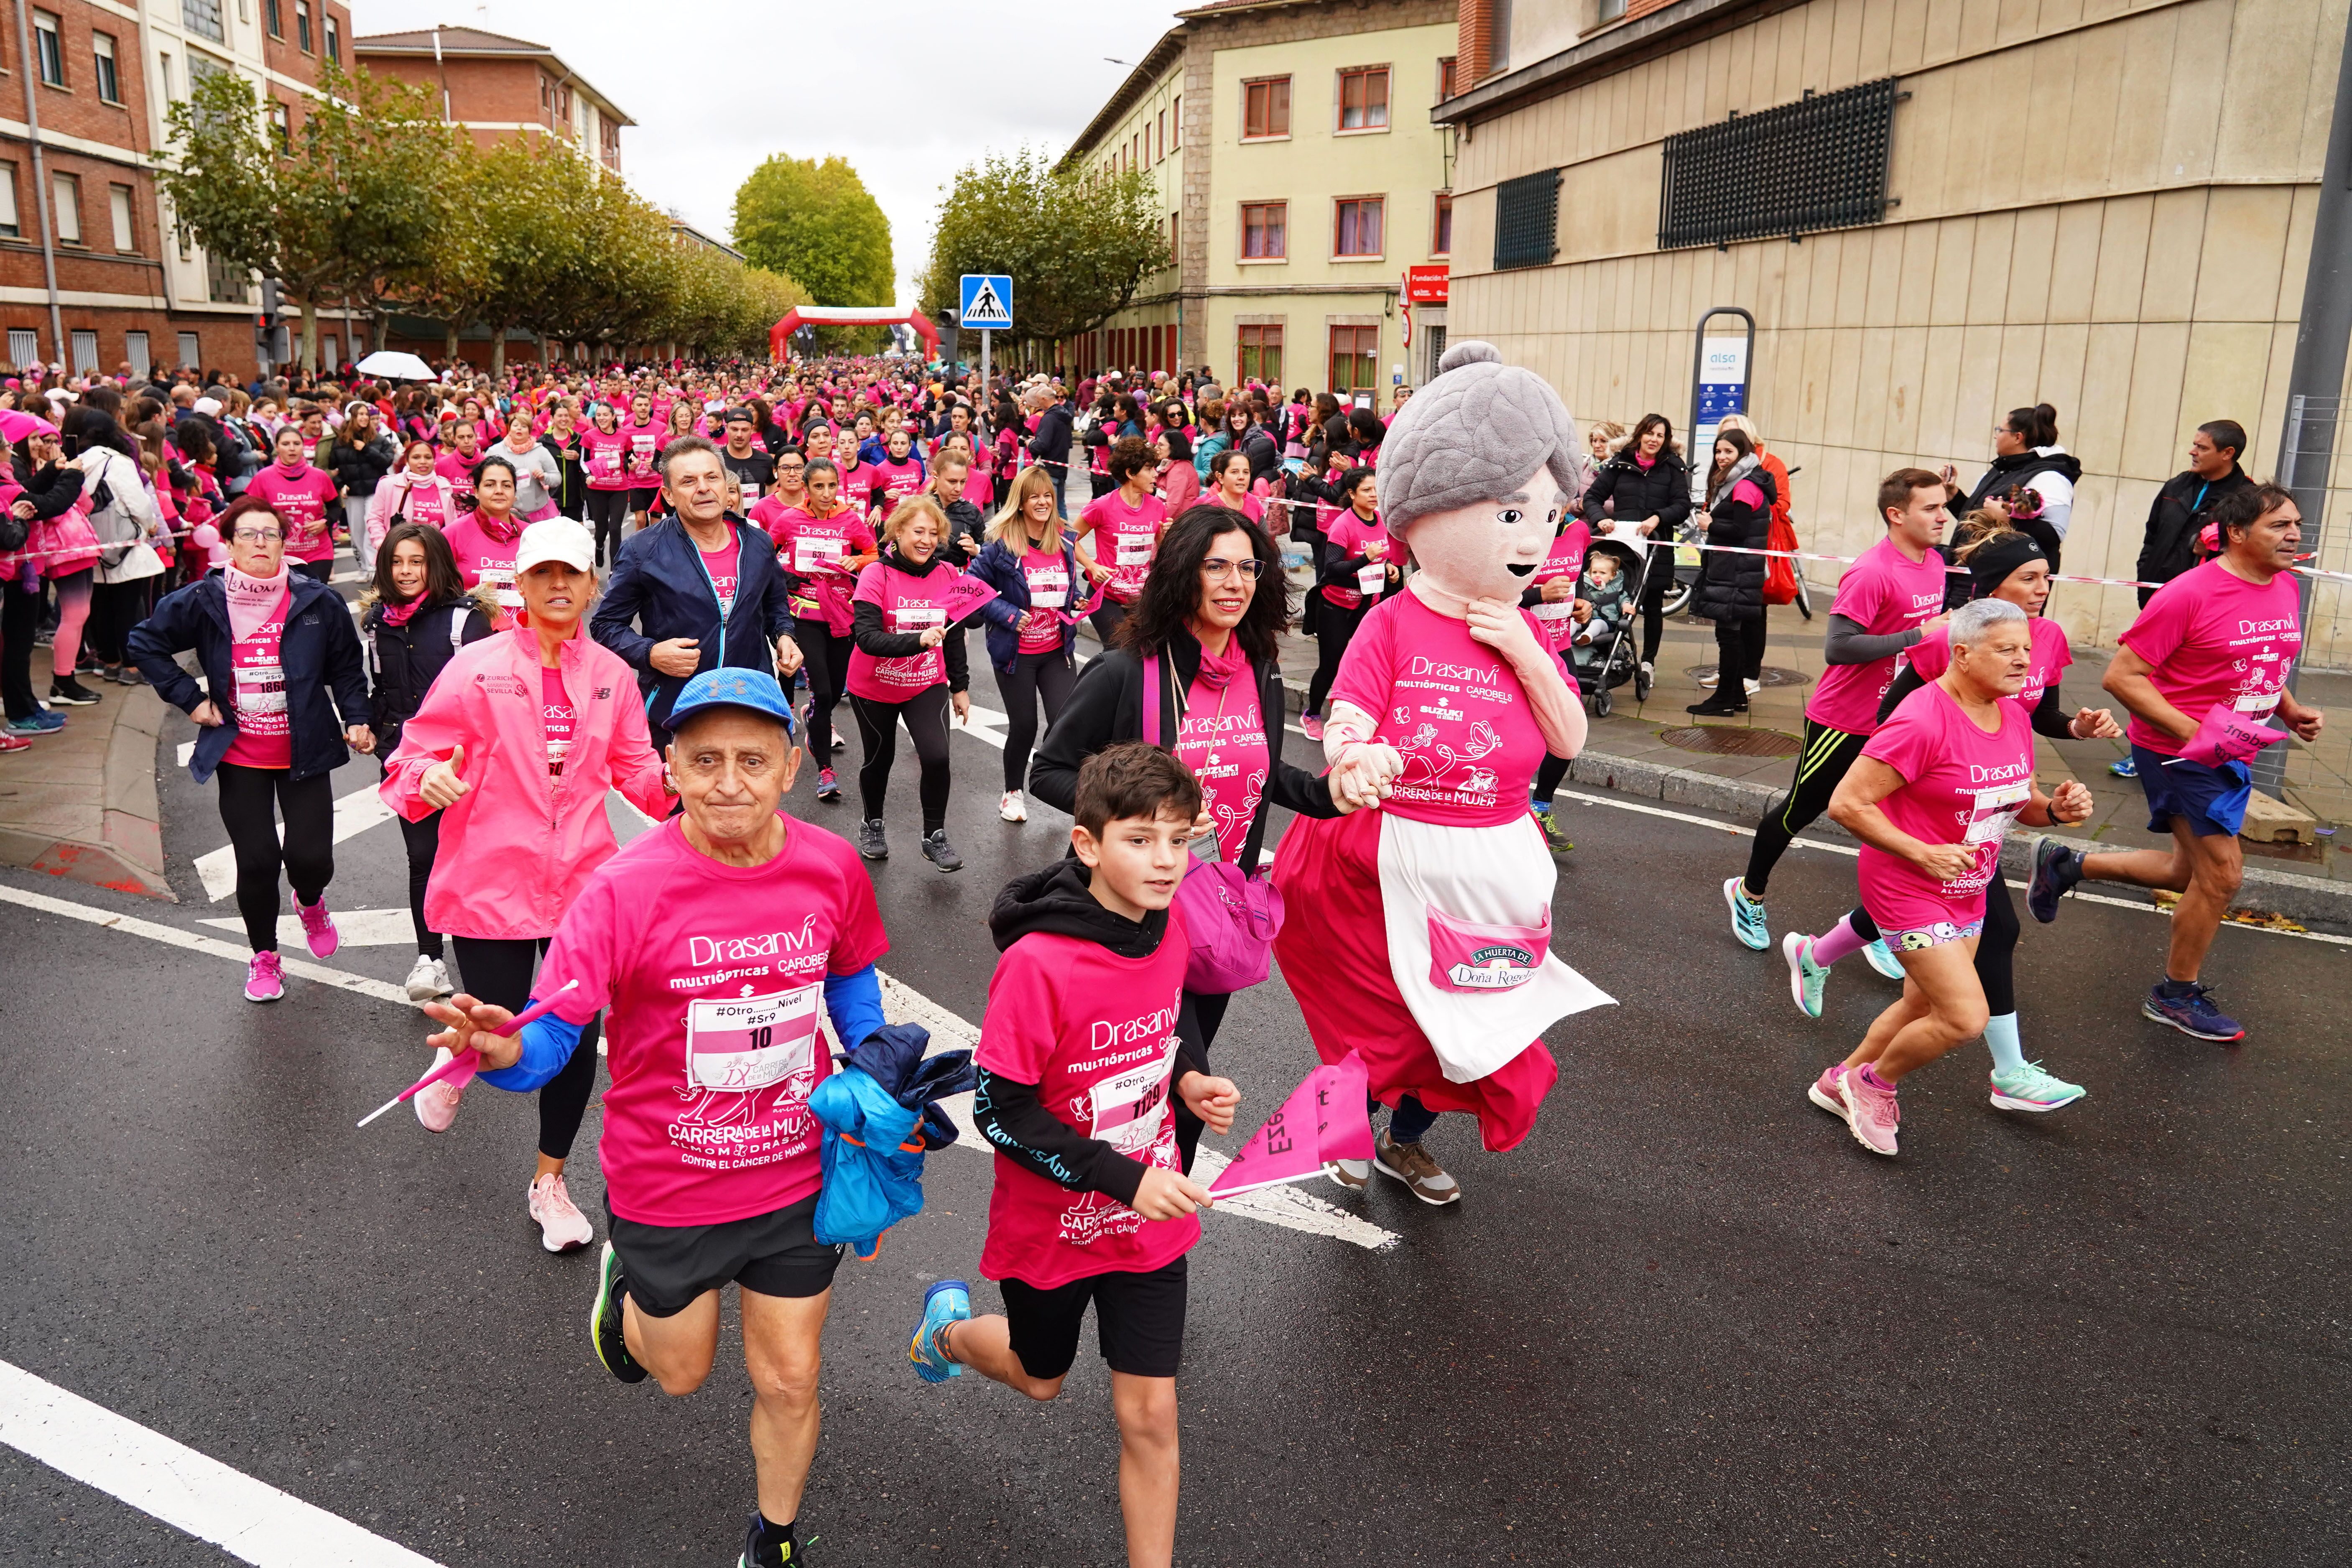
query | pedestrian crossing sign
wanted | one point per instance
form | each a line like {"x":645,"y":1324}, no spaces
{"x":987,"y":301}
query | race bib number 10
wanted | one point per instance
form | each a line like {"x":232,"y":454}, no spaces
{"x":750,"y":1042}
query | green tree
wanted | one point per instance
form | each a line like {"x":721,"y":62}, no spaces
{"x":817,"y":224}
{"x":1075,"y":243}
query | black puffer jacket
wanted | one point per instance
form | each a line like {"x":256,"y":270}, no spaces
{"x":1660,"y":490}
{"x":1731,"y":587}
{"x":358,"y":469}
{"x":404,"y":659}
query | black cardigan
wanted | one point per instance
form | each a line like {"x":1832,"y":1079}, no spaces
{"x":1105,"y":707}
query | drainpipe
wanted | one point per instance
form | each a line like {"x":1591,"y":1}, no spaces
{"x":41,"y":193}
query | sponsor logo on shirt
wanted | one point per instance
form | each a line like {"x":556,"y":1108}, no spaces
{"x":706,"y":950}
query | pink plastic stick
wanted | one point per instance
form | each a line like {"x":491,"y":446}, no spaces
{"x":466,"y":1060}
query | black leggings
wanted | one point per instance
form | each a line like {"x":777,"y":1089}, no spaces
{"x":1108,"y":619}
{"x":1823,"y":762}
{"x":1548,"y":775}
{"x":114,"y":609}
{"x":826,"y":658}
{"x":926,"y":713}
{"x":1738,"y":649}
{"x":324,"y":571}
{"x":498,"y":971}
{"x":1034,"y":677}
{"x":607,"y":512}
{"x":20,"y":622}
{"x":1995,"y":949}
{"x":423,"y":842}
{"x":1333,"y":632}
{"x":250,"y":799}
{"x":1653,"y":603}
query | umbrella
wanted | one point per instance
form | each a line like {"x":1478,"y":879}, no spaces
{"x":16,"y":425}
{"x":397,"y":366}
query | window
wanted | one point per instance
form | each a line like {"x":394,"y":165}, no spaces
{"x":1265,"y":108}
{"x":1163,"y":134}
{"x":1357,"y":231}
{"x":10,"y":225}
{"x":24,"y":347}
{"x":271,"y":20}
{"x":1260,"y":354}
{"x":302,"y":24}
{"x":281,"y":127}
{"x":126,"y":232}
{"x":192,"y":349}
{"x":1817,"y":164}
{"x":101,"y":48}
{"x":50,"y":45}
{"x":1527,"y":220}
{"x":1441,"y":227}
{"x":334,"y":40}
{"x":134,"y":349}
{"x":330,"y":354}
{"x":68,"y":190}
{"x":1263,"y":237}
{"x":1498,"y":37}
{"x":1446,"y":75}
{"x":1355,"y":358}
{"x":1176,"y":121}
{"x":188,"y":246}
{"x":1609,"y":10}
{"x":202,"y":17}
{"x":163,"y":73}
{"x":225,"y":285}
{"x":85,"y":352}
{"x":1364,"y":100}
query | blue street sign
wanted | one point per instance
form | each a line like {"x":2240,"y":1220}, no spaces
{"x":987,"y":301}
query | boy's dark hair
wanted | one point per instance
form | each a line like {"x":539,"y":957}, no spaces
{"x":2240,"y":509}
{"x":1896,"y":490}
{"x":1134,"y":778}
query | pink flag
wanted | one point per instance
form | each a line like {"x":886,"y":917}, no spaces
{"x":964,"y":596}
{"x":1325,"y":1119}
{"x":2229,"y":736}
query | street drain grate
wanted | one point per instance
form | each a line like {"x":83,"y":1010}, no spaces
{"x":1732,"y":741}
{"x":1771,"y":675}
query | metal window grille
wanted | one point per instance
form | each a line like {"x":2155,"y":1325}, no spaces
{"x":1815,"y":165}
{"x":24,"y":347}
{"x":1527,"y":220}
{"x":202,"y":17}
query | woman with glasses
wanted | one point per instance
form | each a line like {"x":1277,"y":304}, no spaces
{"x":283,"y":701}
{"x":1205,"y":624}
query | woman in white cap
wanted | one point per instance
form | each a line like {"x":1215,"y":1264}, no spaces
{"x":515,"y":745}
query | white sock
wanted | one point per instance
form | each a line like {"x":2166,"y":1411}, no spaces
{"x":2001,"y":1038}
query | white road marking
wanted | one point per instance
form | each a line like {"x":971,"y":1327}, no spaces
{"x":359,"y":928}
{"x":354,"y":814}
{"x":251,"y":1520}
{"x":195,"y":941}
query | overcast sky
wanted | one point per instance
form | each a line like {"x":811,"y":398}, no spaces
{"x":908,"y":91}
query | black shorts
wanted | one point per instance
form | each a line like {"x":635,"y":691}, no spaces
{"x":770,"y":1253}
{"x":1138,"y":1320}
{"x":643,"y":500}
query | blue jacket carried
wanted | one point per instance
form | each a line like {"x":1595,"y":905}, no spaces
{"x":659,"y":589}
{"x":320,"y":651}
{"x":1001,"y":569}
{"x":881,"y":1117}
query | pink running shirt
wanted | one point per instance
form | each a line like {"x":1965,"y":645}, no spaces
{"x":2214,"y":638}
{"x":1883,"y":593}
{"x":1961,"y":785}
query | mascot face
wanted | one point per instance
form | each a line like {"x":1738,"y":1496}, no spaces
{"x":1489,"y":549}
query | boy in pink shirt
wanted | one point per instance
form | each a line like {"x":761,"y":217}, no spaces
{"x":1081,"y":1048}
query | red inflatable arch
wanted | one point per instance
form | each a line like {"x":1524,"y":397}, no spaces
{"x":851,"y":316}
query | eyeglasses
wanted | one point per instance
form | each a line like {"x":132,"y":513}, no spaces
{"x":1217,"y":570}
{"x":256,"y":536}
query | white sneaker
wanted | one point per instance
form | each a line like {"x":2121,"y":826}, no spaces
{"x":428,"y":979}
{"x":562,"y":1227}
{"x":436,"y":1103}
{"x":1012,"y":808}
{"x":1753,"y":686}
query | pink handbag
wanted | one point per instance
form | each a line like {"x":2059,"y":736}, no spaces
{"x":1231,"y":916}
{"x":1472,"y":959}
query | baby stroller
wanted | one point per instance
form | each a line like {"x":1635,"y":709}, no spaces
{"x":1605,"y":664}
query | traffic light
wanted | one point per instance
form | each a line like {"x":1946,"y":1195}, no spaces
{"x":270,"y":340}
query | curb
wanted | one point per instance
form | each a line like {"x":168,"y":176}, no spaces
{"x":124,"y":851}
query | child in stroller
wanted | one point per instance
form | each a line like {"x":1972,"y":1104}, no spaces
{"x":1601,"y":655}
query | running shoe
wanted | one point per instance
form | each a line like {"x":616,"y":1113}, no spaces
{"x":2027,"y":1088}
{"x":2056,"y":869}
{"x":1823,"y":1091}
{"x":1311,"y":726}
{"x":840,"y":743}
{"x":71,"y":693}
{"x":1353,"y":1174}
{"x":1556,"y":841}
{"x":35,"y":725}
{"x":605,"y":1321}
{"x":947,"y":1302}
{"x":436,"y":1103}
{"x":562,"y":1227}
{"x":128,"y":676}
{"x":828,"y":788}
{"x":755,"y":1553}
{"x":872,"y":842}
{"x":1410,"y":1163}
{"x":937,"y":851}
{"x":428,"y":978}
{"x":319,"y":928}
{"x":2193,"y":1015}
{"x":14,"y":743}
{"x":1807,"y":980}
{"x":2124,"y":768}
{"x":265,"y":977}
{"x":1012,"y":808}
{"x":1882,"y":958}
{"x":1746,"y":916}
{"x":1870,"y":1111}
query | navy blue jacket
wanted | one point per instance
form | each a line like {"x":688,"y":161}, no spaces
{"x":1000,"y":570}
{"x":320,"y":652}
{"x":659,"y":585}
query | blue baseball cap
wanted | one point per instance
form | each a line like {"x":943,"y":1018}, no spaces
{"x":753,"y":688}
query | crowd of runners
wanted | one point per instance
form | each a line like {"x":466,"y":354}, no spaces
{"x":668,"y":580}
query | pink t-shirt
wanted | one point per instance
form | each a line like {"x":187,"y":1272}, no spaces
{"x":484,"y":559}
{"x":1883,"y":593}
{"x":1252,"y":505}
{"x":1932,"y":655}
{"x":1961,"y":785}
{"x":1096,"y":1033}
{"x":1049,"y":589}
{"x":300,"y":497}
{"x":714,"y":979}
{"x":857,"y":485}
{"x":894,"y":482}
{"x":1451,"y":706}
{"x":555,"y":717}
{"x":644,"y":446}
{"x":1351,"y":534}
{"x":723,"y":565}
{"x":1566,"y":560}
{"x":1222,"y":740}
{"x":813,"y":548}
{"x":1125,"y":537}
{"x":458,"y":469}
{"x":264,"y":734}
{"x":419,"y":501}
{"x":604,"y":456}
{"x":2212,"y":637}
{"x":911,"y":605}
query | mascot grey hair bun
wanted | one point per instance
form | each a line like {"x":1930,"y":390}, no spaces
{"x":1481,"y":428}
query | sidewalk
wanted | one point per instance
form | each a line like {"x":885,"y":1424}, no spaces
{"x":81,"y":803}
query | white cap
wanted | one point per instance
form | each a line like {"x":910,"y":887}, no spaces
{"x":556,"y":539}
{"x":207,"y":405}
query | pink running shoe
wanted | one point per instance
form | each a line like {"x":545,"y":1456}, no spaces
{"x":319,"y":927}
{"x":562,"y":1227}
{"x":1311,"y":726}
{"x":1870,"y":1111}
{"x":265,"y":977}
{"x":436,"y":1103}
{"x":1824,"y":1092}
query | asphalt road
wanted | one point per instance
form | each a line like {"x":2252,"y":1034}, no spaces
{"x":1690,"y":1322}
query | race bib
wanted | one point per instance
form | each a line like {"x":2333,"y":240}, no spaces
{"x":917,"y":619}
{"x":1370,"y":580}
{"x":2263,"y":703}
{"x":261,"y":698}
{"x":1995,"y":811}
{"x":1130,"y":1108}
{"x":1555,"y":610}
{"x":503,"y":579}
{"x":1135,"y":549}
{"x":1049,"y":589}
{"x":815,"y":555}
{"x":750,"y":1042}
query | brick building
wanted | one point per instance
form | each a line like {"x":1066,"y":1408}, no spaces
{"x":498,"y":87}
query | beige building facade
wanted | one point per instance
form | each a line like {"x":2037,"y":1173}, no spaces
{"x":2101,"y":204}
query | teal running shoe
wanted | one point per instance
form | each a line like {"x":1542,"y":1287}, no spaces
{"x":1746,"y":916}
{"x":2027,"y":1088}
{"x":1806,"y":979}
{"x":947,"y":1302}
{"x":1882,"y":958}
